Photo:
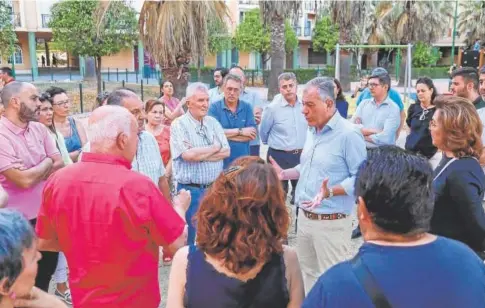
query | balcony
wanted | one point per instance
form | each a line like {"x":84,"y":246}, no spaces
{"x":46,"y":18}
{"x":297,"y":30}
{"x":309,"y":6}
{"x":308,"y":31}
{"x":16,"y":22}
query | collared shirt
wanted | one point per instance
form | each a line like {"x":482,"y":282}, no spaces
{"x":31,"y":145}
{"x":148,"y":160}
{"x":243,"y":117}
{"x":215,"y":94}
{"x":393,"y":95}
{"x":385,"y":116}
{"x":186,"y":133}
{"x":253,"y":99}
{"x":283,"y":126}
{"x":480,"y":106}
{"x":336,"y":153}
{"x":109,"y":222}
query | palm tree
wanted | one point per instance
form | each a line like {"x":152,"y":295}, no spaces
{"x":274,"y":13}
{"x":346,"y":14}
{"x":175,"y":32}
{"x":414,"y":21}
{"x":471,"y":20}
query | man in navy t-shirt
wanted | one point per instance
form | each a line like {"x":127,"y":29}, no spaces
{"x":410,"y":267}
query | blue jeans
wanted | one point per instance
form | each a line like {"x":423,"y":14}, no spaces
{"x":196,"y":194}
{"x":254,"y":150}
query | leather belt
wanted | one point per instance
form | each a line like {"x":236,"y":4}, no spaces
{"x":297,"y":151}
{"x":198,"y":185}
{"x":333,"y":216}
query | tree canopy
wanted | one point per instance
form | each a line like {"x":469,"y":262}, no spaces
{"x":8,"y":38}
{"x":74,"y":26}
{"x":326,"y":35}
{"x":218,"y":37}
{"x":251,"y":35}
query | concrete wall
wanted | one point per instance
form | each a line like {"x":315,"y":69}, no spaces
{"x":122,"y":60}
{"x":210,"y":60}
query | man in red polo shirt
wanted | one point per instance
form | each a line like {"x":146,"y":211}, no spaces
{"x":108,"y":220}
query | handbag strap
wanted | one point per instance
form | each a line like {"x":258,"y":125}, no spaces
{"x":446,"y":166}
{"x":366,"y":279}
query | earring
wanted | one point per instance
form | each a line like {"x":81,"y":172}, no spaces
{"x":12,"y":295}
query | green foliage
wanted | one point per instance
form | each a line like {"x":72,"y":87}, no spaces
{"x":251,"y":35}
{"x":219,"y":37}
{"x":291,"y":40}
{"x":325,"y":35}
{"x":425,"y":55}
{"x":74,"y":26}
{"x":8,"y":38}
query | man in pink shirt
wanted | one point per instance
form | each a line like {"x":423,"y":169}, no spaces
{"x":28,"y":155}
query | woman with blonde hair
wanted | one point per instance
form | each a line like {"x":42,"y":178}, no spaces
{"x":459,"y":181}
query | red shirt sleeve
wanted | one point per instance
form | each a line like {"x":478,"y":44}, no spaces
{"x":166,"y":225}
{"x":44,"y":226}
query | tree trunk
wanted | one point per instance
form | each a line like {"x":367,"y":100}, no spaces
{"x":345,"y":69}
{"x":98,"y":73}
{"x":374,"y":59}
{"x":179,"y":84}
{"x":402,"y":68}
{"x":47,"y":54}
{"x":277,"y":54}
{"x":199,"y":72}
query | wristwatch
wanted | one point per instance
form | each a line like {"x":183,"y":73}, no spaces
{"x":240,"y":132}
{"x":330,"y":193}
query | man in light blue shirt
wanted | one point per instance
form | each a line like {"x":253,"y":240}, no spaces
{"x":216,"y":92}
{"x":253,"y":99}
{"x":378,"y":117}
{"x":284,"y":128}
{"x":198,"y":146}
{"x":333,"y":151}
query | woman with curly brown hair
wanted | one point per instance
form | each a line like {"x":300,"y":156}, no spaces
{"x":459,"y":181}
{"x":240,"y":259}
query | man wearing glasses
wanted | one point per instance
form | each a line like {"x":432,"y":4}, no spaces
{"x":198,"y":146}
{"x":236,"y":117}
{"x":378,"y":117}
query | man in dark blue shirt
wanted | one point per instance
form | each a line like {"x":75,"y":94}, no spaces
{"x":404,"y":264}
{"x":236,"y":118}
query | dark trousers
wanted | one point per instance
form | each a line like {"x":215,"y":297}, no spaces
{"x":285,"y":160}
{"x":46,"y":266}
{"x":254,"y":150}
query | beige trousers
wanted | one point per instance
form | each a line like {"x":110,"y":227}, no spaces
{"x":320,"y":244}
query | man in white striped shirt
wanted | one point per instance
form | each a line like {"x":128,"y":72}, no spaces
{"x":198,"y":146}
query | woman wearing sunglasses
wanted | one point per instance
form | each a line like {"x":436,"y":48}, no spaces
{"x":419,"y":115}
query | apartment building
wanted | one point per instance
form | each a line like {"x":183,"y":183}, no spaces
{"x":32,"y":52}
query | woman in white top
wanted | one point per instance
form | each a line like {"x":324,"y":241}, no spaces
{"x":45,"y":117}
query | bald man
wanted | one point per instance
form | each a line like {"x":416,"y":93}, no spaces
{"x":109,"y":220}
{"x":28,"y":156}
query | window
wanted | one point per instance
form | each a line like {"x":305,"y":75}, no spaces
{"x":316,"y":57}
{"x":19,"y":59}
{"x":241,"y":17}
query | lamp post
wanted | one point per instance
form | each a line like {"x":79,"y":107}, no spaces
{"x":454,"y":33}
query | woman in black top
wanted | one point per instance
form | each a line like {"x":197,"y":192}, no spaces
{"x":419,"y":115}
{"x":459,"y":181}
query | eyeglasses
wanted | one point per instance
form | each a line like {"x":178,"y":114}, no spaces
{"x":201,"y":131}
{"x":373,"y":85}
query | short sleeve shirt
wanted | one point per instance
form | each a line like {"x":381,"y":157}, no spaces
{"x":30,"y":145}
{"x":109,"y":222}
{"x":241,"y":118}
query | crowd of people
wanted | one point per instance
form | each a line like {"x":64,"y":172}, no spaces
{"x":182,"y":182}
